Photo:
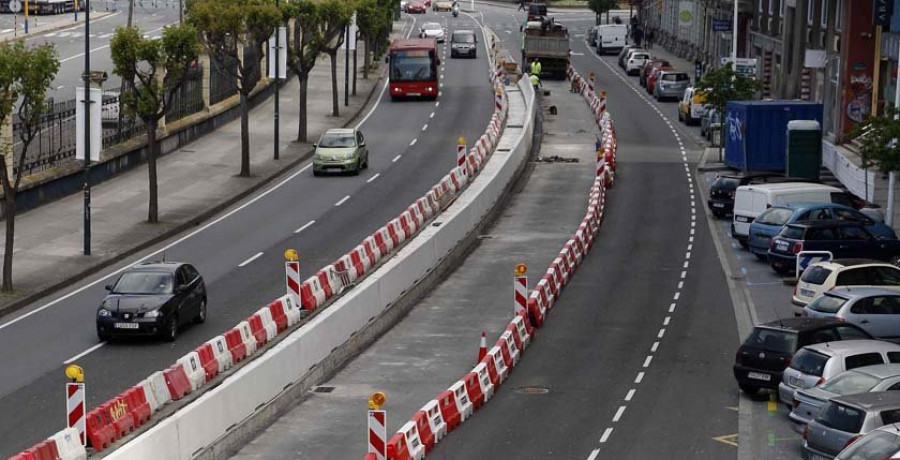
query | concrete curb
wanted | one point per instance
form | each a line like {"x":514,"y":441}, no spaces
{"x":192,"y":222}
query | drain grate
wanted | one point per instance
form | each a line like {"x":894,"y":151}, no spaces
{"x":532,"y":390}
{"x":323,"y":389}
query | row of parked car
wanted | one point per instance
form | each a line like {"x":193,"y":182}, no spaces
{"x":834,"y":364}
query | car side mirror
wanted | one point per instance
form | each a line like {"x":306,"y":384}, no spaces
{"x":362,"y":144}
{"x":181,"y":289}
{"x":108,"y":287}
{"x":315,"y":146}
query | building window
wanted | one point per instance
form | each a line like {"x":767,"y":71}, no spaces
{"x":761,"y":9}
{"x":772,"y":7}
{"x":839,"y":15}
{"x":823,"y":17}
{"x":781,"y":9}
{"x":810,"y":11}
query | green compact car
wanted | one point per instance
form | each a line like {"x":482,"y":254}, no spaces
{"x":340,"y":150}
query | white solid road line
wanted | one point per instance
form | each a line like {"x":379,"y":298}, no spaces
{"x":246,"y":262}
{"x":383,"y":88}
{"x":83,"y":353}
{"x":373,"y":177}
{"x":343,"y":200}
{"x":304,"y":227}
{"x":82,"y":54}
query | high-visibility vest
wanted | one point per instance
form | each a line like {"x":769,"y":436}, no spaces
{"x":535,"y":80}
{"x":536,"y":67}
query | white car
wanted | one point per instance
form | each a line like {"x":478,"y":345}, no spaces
{"x":825,"y":276}
{"x":432,"y":30}
{"x":403,"y":5}
{"x":635,"y":61}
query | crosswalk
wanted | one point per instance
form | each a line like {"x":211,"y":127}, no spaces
{"x":77,"y":34}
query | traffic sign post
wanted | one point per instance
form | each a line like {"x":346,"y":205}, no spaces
{"x":75,"y":400}
{"x":461,"y":152}
{"x":807,"y":258}
{"x":292,"y":274}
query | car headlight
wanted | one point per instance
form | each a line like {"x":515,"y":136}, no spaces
{"x":103,"y":313}
{"x":348,"y":156}
{"x":152,"y":314}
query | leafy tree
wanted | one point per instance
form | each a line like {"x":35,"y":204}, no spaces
{"x":225,"y":26}
{"x":878,"y":140}
{"x":336,"y":14}
{"x":311,"y":34}
{"x":724,"y":84}
{"x":602,"y":6}
{"x":373,"y":20}
{"x":153,"y":70}
{"x":25,"y":76}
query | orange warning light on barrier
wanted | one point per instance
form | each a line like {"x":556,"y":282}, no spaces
{"x":291,"y":255}
{"x":521,"y":269}
{"x":377,"y":400}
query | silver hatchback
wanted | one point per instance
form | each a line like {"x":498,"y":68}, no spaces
{"x":815,"y":364}
{"x":845,"y":419}
{"x":671,"y":84}
{"x":883,"y":377}
{"x":875,"y":309}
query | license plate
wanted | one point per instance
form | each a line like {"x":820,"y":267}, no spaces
{"x":127,"y":325}
{"x":718,"y":205}
{"x":759,"y":376}
{"x":781,"y":246}
{"x":413,"y":94}
{"x":797,"y":383}
{"x":807,"y":293}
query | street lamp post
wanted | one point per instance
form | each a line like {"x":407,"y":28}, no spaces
{"x":277,"y":58}
{"x":734,"y":35}
{"x":347,"y":66}
{"x":87,"y":127}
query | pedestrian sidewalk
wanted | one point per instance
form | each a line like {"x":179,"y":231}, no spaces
{"x":437,"y":342}
{"x":195,"y":182}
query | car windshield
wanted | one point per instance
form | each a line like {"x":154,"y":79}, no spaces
{"x":638,"y":56}
{"x":336,"y":140}
{"x":727,"y":183}
{"x":809,"y":362}
{"x":144,"y":283}
{"x":877,"y":445}
{"x":463,"y":38}
{"x":841,"y":417}
{"x":432,"y":26}
{"x":827,"y":304}
{"x":772,"y":340}
{"x":775,"y":216}
{"x":815,"y":275}
{"x":850,"y":383}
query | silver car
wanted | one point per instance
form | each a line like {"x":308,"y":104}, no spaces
{"x":883,"y":377}
{"x":671,"y":84}
{"x":878,"y":444}
{"x":815,"y":364}
{"x":875,"y":309}
{"x":432,"y":30}
{"x":463,"y":43}
{"x":845,"y":419}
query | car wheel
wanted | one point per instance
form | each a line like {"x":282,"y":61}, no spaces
{"x":761,"y":257}
{"x":170,"y":333}
{"x":358,"y":167}
{"x":749,"y":389}
{"x":680,"y":118}
{"x":719,"y":214}
{"x":895,"y":261}
{"x":201,"y":316}
{"x":744,"y":244}
{"x":780,"y":269}
{"x":366,"y":163}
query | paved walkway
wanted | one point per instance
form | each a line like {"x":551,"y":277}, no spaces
{"x":438,"y":341}
{"x":193,"y":180}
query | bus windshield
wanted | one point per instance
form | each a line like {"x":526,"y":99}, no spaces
{"x":410,"y":66}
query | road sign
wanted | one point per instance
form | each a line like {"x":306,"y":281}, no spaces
{"x":75,"y":408}
{"x":377,"y":434}
{"x":15,"y":6}
{"x":807,"y":258}
{"x":721,"y":25}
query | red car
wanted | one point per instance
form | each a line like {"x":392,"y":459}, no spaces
{"x":649,"y":67}
{"x":416,"y":7}
{"x":651,"y":80}
{"x":427,"y":3}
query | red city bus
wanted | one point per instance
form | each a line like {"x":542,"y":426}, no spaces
{"x":413,"y":68}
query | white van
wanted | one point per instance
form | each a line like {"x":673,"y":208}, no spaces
{"x":611,"y":38}
{"x":751,"y":200}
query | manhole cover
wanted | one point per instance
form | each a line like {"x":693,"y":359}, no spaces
{"x":532,"y":390}
{"x":323,"y":389}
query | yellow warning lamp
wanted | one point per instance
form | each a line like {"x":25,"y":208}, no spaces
{"x":75,"y":373}
{"x":377,"y":400}
{"x":521,"y":269}
{"x":291,"y":255}
{"x":461,"y":140}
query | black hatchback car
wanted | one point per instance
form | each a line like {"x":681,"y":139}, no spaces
{"x":152,"y":299}
{"x":843,"y":239}
{"x":724,"y":186}
{"x":768,"y":350}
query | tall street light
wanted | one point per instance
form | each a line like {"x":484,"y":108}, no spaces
{"x":734,"y":35}
{"x":277,"y":58}
{"x":87,"y":127}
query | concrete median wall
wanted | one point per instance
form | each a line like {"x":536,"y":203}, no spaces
{"x":228,"y":415}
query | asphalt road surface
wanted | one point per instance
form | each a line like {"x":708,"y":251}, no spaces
{"x":636,"y":360}
{"x":412,"y":145}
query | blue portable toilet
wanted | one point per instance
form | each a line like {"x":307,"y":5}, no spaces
{"x":755,"y":132}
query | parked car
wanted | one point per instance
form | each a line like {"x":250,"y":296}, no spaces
{"x":816,"y":364}
{"x":650,"y":66}
{"x":340,"y":150}
{"x":769,"y":223}
{"x":463,"y":43}
{"x":691,"y":106}
{"x":845,"y":419}
{"x":612,"y":38}
{"x":710,"y":123}
{"x":807,"y":402}
{"x":671,"y":85}
{"x":442,"y":5}
{"x":844,"y":240}
{"x":724,"y":186}
{"x":752,"y":200}
{"x":764,"y":354}
{"x":879,"y":444}
{"x":875,"y":309}
{"x":623,"y":52}
{"x":826,"y":276}
{"x":654,"y":76}
{"x":152,"y":299}
{"x":635,"y":60}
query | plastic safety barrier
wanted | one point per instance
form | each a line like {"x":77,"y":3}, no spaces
{"x":435,"y":419}
{"x":236,"y":345}
{"x":501,"y":363}
{"x":208,"y":361}
{"x":220,"y":350}
{"x":463,"y":402}
{"x":413,"y":444}
{"x":473,"y":389}
{"x":68,"y":445}
{"x":484,"y":381}
{"x":192,"y":369}
{"x":177,"y":382}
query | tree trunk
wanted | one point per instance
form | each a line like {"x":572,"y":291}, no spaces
{"x":301,"y":115}
{"x":335,"y":112}
{"x":10,"y":238}
{"x":153,"y":209}
{"x":245,"y":135}
{"x":366,"y":61}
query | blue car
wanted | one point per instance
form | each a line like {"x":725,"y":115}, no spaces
{"x":772,"y":220}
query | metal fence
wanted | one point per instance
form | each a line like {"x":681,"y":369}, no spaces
{"x":188,"y":99}
{"x":222,"y":82}
{"x":54,"y":142}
